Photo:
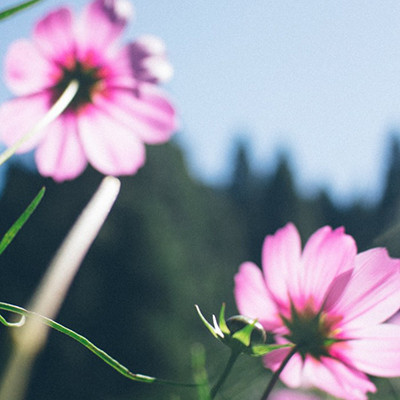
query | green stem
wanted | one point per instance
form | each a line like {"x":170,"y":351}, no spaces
{"x":89,"y":345}
{"x":12,"y":10}
{"x":232,"y":359}
{"x":275,"y":377}
{"x":55,"y":111}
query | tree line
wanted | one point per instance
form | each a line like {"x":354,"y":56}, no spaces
{"x":170,"y":242}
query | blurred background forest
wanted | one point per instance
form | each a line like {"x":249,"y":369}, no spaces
{"x":170,"y":242}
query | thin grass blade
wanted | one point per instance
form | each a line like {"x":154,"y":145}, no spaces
{"x":19,"y":223}
{"x":19,"y":7}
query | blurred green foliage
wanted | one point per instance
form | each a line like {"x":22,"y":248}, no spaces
{"x":170,"y":242}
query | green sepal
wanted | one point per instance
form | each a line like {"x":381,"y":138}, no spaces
{"x":12,"y":10}
{"x":260,"y":350}
{"x":19,"y":223}
{"x":206,"y":323}
{"x":222,"y":323}
{"x":244,"y":335}
{"x":331,"y":341}
{"x":240,"y":341}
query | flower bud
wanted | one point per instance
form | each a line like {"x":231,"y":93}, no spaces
{"x":238,"y":322}
{"x":240,"y":333}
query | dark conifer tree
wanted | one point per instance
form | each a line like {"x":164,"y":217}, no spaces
{"x":389,"y":204}
{"x":386,"y":221}
{"x":241,"y":186}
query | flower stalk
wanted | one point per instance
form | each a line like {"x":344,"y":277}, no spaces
{"x":55,"y":111}
{"x":53,"y":288}
{"x":277,"y":373}
{"x":232,"y":359}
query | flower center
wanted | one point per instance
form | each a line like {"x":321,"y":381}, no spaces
{"x":311,"y":332}
{"x":88,"y":79}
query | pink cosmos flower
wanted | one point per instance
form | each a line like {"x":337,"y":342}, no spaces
{"x":291,"y":395}
{"x":118,"y":106}
{"x":330,"y":302}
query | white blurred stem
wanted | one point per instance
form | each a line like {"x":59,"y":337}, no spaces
{"x":53,"y":288}
{"x":55,"y":111}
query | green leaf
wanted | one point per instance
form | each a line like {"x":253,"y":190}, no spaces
{"x":12,"y":10}
{"x":18,"y":224}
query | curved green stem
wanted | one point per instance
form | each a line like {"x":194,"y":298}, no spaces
{"x":85,"y":342}
{"x":275,"y":377}
{"x":232,"y":359}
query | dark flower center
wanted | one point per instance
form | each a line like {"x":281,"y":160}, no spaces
{"x":311,"y":332}
{"x":88,"y":79}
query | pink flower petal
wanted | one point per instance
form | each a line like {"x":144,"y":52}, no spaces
{"x":20,"y":115}
{"x":28,"y":77}
{"x":252,"y":297}
{"x":326,"y":255}
{"x":101,"y":23}
{"x":109,"y":146}
{"x":375,"y":350}
{"x":327,"y":374}
{"x":372,"y":294}
{"x":119,"y":72}
{"x":292,"y":395}
{"x":148,"y":60}
{"x":336,"y":289}
{"x":336,"y":378}
{"x":281,"y":264}
{"x":141,"y":61}
{"x":54,"y":35}
{"x":395,"y":319}
{"x":60,"y":154}
{"x":292,"y":374}
{"x":147,"y":46}
{"x":149,"y":115}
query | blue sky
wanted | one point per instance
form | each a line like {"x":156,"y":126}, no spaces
{"x":319,"y":78}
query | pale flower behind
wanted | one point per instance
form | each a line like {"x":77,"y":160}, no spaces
{"x":330,"y":302}
{"x":118,"y":108}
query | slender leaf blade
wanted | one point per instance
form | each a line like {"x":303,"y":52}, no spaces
{"x":19,"y":223}
{"x":19,"y":7}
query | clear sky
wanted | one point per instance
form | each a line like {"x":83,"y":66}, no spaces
{"x":319,"y":78}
